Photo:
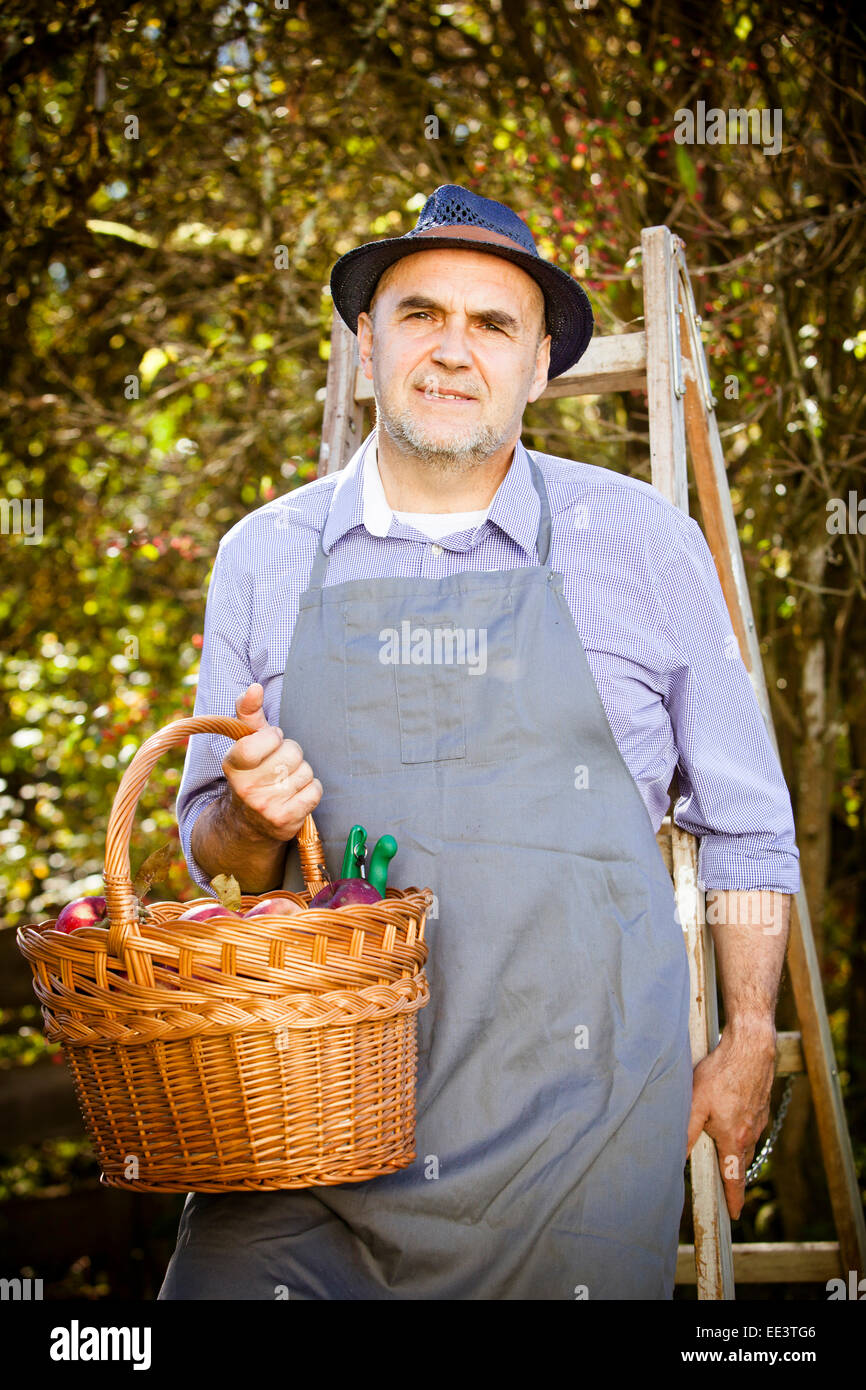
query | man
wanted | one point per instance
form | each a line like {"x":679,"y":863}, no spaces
{"x":524,"y":775}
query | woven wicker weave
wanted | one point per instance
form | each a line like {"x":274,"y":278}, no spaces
{"x":229,"y":1055}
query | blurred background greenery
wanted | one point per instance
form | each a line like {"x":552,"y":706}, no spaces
{"x":178,"y":179}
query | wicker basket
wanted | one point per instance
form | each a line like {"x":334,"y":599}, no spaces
{"x":231,"y":1055}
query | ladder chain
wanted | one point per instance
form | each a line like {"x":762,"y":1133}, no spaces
{"x":761,"y":1159}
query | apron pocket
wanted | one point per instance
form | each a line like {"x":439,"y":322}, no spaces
{"x":435,"y":685}
{"x":430,"y":699}
{"x":455,"y":697}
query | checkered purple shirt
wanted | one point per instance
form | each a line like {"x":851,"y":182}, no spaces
{"x":642,"y":587}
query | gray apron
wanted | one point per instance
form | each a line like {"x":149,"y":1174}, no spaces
{"x":554,"y":1068}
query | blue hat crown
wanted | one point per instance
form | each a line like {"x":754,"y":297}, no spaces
{"x":452,"y":205}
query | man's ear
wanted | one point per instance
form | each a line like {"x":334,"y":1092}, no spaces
{"x":365,"y":343}
{"x":542,"y":366}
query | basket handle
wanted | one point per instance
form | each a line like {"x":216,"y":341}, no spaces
{"x":122,"y":916}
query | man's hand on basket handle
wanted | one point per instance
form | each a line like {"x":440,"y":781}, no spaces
{"x":270,"y":792}
{"x":274,"y":788}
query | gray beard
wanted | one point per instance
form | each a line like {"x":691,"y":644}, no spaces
{"x":472,"y":449}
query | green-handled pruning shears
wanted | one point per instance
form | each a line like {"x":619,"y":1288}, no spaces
{"x":355,"y":853}
{"x":386,"y":848}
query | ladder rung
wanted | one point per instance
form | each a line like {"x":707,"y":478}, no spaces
{"x":789,"y":1054}
{"x":783,"y":1262}
{"x":616,"y":362}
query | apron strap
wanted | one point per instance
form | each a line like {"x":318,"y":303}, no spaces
{"x":320,"y":566}
{"x":320,"y":563}
{"x":543,"y":539}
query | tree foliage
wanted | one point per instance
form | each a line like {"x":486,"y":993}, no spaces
{"x":179,"y":179}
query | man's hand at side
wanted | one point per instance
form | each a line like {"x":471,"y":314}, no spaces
{"x":731,"y":1101}
{"x":269,"y":793}
{"x":731,"y":1086}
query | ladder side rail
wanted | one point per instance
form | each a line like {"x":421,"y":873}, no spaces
{"x":713,"y":1254}
{"x":664,"y":381}
{"x":343,"y":419}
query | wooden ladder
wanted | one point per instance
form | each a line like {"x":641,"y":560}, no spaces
{"x":671,"y":366}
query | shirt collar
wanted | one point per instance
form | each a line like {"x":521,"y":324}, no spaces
{"x":377,"y":514}
{"x":359,"y":500}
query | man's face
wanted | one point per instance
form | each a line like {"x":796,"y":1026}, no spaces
{"x":454,"y":322}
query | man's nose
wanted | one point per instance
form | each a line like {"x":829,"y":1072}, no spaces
{"x":452,"y":348}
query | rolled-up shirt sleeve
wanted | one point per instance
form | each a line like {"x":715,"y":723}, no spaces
{"x":733,"y":794}
{"x":224,"y":673}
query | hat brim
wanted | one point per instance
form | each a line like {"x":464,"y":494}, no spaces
{"x":567,"y":308}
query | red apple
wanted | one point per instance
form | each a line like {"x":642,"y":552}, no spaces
{"x":206,"y":910}
{"x":84,"y":912}
{"x":269,"y":906}
{"x":354,"y":891}
{"x":345,"y":892}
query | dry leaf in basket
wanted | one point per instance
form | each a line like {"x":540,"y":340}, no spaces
{"x":153,"y":868}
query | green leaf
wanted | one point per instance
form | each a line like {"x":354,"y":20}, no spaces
{"x":151,"y":365}
{"x":118,"y":229}
{"x":686,"y":170}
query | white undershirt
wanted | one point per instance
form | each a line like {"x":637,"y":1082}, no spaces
{"x":378,"y":514}
{"x":436,"y":524}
